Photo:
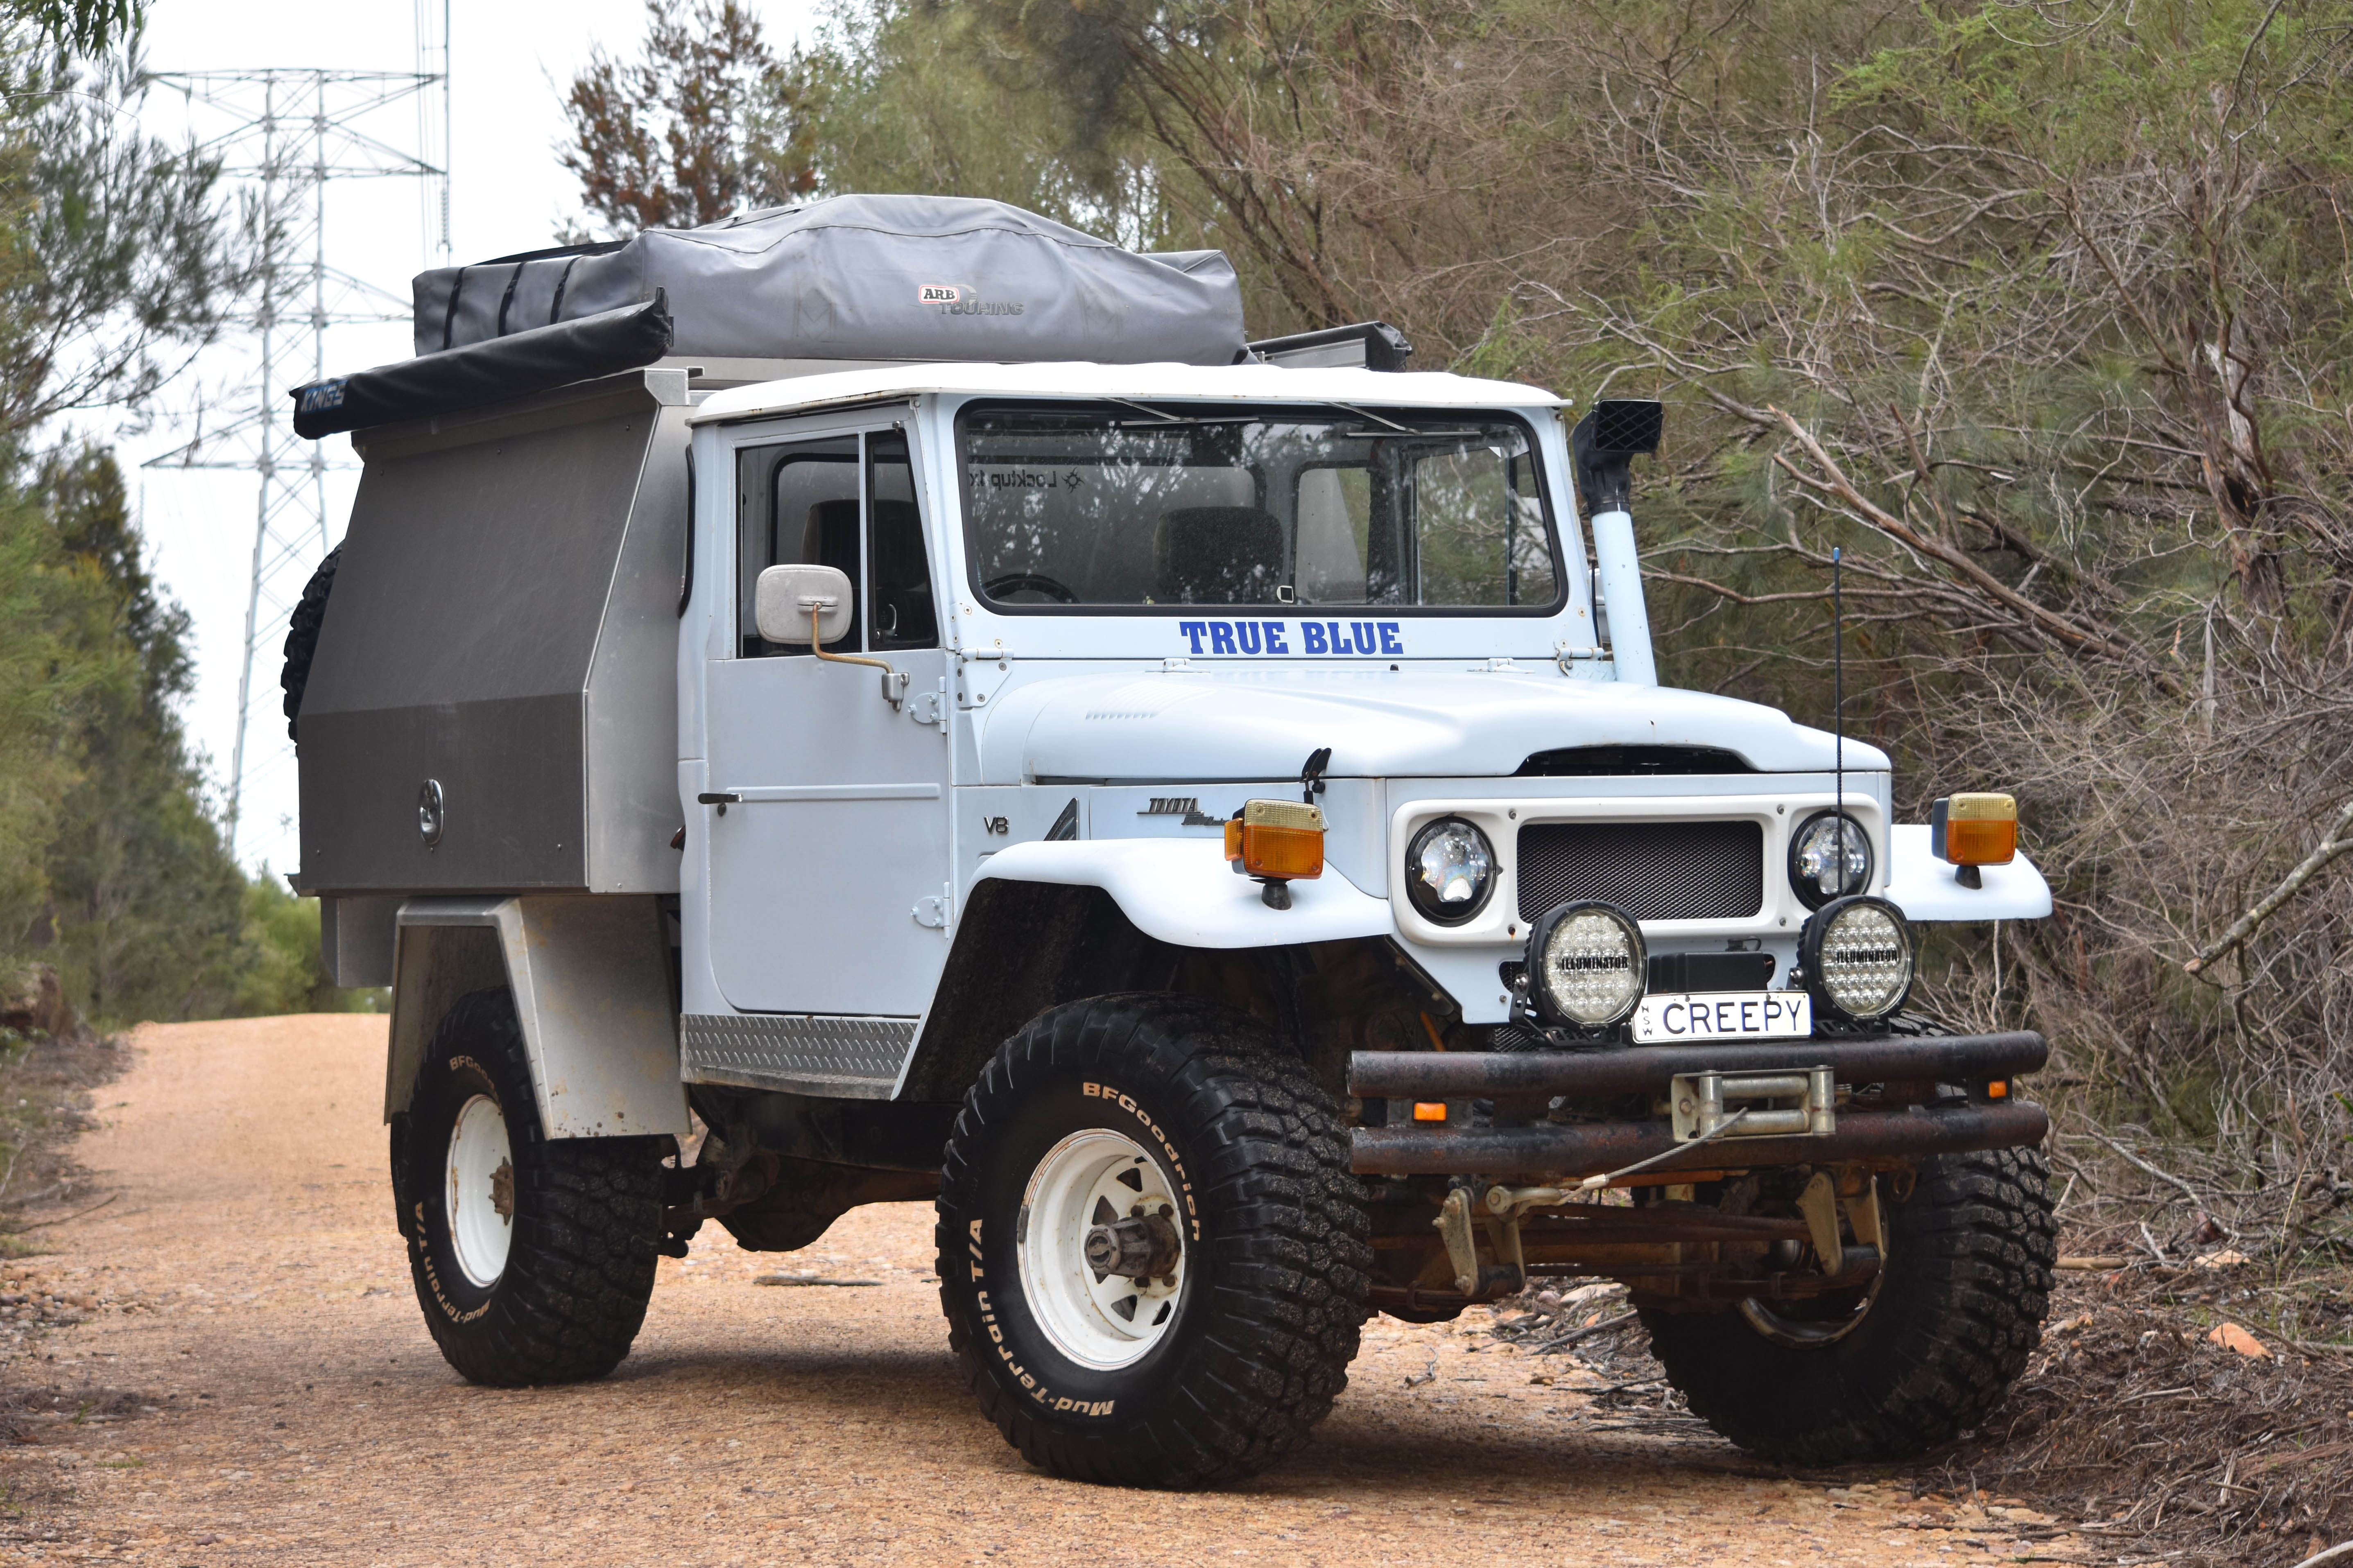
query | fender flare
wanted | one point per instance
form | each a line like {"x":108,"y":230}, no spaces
{"x":591,"y":987}
{"x":1182,"y":891}
{"x":1924,"y":886}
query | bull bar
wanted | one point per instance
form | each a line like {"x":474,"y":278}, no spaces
{"x":1587,"y":1148}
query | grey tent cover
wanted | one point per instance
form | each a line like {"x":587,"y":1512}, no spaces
{"x":865,"y":277}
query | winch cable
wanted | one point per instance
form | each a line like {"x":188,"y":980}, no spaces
{"x":1591,"y":1183}
{"x":1501,"y":1200}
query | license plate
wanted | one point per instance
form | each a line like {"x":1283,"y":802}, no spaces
{"x":1671,"y":1016}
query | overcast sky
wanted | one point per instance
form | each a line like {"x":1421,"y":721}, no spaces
{"x":511,"y":61}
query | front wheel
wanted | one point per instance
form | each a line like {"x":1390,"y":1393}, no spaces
{"x":1152,"y":1255}
{"x":532,"y":1258}
{"x":1926,"y":1353}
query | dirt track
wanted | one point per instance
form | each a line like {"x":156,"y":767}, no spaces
{"x":245,"y":1281}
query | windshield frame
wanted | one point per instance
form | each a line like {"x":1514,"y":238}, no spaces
{"x":1567,"y":564}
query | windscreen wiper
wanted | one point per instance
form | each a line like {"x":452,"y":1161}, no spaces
{"x":1163,"y":418}
{"x":1393,"y":427}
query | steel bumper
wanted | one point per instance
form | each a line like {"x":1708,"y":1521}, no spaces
{"x":1584,"y":1149}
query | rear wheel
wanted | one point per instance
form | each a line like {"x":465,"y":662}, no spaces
{"x":1925,"y":1352}
{"x":302,"y":639}
{"x":1152,"y":1255}
{"x":532,"y":1258}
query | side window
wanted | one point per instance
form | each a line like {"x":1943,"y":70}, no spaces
{"x":899,"y":602}
{"x":1481,"y":529}
{"x":1335,"y":519}
{"x":795,"y":504}
{"x":1352,"y":547}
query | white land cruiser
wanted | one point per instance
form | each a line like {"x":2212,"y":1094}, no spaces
{"x":1225,"y":843}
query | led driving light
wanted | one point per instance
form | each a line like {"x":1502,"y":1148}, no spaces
{"x":1974,"y":829}
{"x":1588,"y":965}
{"x":1815,"y":863}
{"x":1857,"y":955}
{"x":1449,"y":870}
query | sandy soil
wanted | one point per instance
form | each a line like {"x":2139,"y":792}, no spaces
{"x":248,"y":1313}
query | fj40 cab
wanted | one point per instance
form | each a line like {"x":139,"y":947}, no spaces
{"x":1214,"y":828}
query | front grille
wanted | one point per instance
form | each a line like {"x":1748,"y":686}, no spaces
{"x":1654,"y":872}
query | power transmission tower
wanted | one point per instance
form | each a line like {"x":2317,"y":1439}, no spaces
{"x":289,"y":132}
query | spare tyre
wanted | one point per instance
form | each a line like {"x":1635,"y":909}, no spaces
{"x":302,"y":638}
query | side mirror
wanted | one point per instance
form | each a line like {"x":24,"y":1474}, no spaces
{"x":786,"y":594}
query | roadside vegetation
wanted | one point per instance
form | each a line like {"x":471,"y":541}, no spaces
{"x":119,"y":258}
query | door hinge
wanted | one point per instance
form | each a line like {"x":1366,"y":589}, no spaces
{"x":932,"y":914}
{"x":928,"y":707}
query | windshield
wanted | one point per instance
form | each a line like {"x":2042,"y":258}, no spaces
{"x":1177,"y":504}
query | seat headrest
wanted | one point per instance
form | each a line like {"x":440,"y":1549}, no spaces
{"x":1219,"y":555}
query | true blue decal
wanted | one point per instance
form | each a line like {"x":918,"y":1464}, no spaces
{"x":1241,"y":639}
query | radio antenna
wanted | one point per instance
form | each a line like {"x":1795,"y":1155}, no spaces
{"x":1837,"y":709}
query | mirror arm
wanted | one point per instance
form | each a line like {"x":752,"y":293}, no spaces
{"x":894,"y":684}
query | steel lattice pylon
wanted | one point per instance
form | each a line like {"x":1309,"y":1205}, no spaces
{"x":287,"y":132}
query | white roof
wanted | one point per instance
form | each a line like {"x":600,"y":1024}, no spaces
{"x":1236,"y":382}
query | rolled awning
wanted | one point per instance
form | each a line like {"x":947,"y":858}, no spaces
{"x":486,"y":373}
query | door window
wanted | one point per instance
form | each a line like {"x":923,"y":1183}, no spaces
{"x":799,"y":504}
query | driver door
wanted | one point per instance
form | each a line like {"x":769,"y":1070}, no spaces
{"x":829,"y":870}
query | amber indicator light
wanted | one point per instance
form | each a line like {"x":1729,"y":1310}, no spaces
{"x":1974,"y":829}
{"x":1277,"y":838}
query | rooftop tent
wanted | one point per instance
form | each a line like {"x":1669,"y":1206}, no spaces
{"x":864,"y":277}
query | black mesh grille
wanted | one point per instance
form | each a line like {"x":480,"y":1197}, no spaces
{"x":1628,"y":425}
{"x":1654,"y":872}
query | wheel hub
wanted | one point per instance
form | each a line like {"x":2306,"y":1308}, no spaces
{"x":1135,"y":1249}
{"x":1102,"y":1257}
{"x":480,"y":1197}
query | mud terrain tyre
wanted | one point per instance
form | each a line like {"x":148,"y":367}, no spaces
{"x":1230,"y":1333}
{"x":533,"y":1259}
{"x":1964,"y":1290}
{"x":302,"y":638}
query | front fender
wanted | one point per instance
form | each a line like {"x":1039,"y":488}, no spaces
{"x":1183,"y":892}
{"x":1924,"y":886}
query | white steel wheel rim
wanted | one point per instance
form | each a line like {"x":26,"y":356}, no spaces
{"x":481,"y":1195}
{"x":1103,"y":1321}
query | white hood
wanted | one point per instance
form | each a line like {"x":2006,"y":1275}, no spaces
{"x":1417,"y":723}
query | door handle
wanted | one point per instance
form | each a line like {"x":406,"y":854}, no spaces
{"x":720,"y":798}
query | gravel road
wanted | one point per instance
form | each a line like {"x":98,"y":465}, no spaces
{"x":254,"y":1387}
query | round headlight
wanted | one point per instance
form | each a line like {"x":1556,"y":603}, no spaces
{"x":1449,"y":870}
{"x":1815,"y":869}
{"x":1857,"y":955}
{"x":1588,"y":964}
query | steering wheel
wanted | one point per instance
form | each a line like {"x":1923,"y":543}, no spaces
{"x":1029,"y":583}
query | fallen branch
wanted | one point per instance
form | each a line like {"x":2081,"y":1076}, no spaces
{"x":2195,"y":1196}
{"x":2334,"y":843}
{"x":1587,"y":1332}
{"x":44,"y":1224}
